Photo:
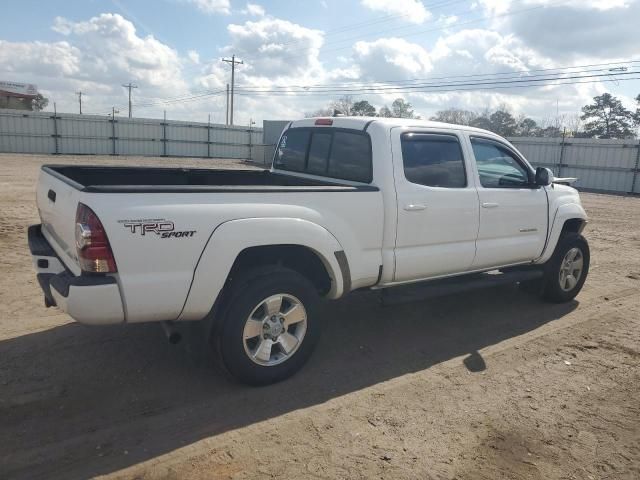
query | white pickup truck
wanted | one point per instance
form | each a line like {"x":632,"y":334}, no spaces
{"x":349,"y":203}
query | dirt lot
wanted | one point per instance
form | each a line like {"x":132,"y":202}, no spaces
{"x":498,"y":386}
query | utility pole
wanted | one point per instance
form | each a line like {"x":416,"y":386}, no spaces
{"x":226,"y":119}
{"x":129,"y":86}
{"x":79,"y":93}
{"x":233,"y":63}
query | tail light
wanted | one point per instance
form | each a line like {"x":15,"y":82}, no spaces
{"x":94,"y":251}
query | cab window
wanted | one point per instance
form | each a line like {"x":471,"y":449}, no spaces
{"x":350,"y":157}
{"x":292,"y":150}
{"x":497,"y":166}
{"x":330,"y":152}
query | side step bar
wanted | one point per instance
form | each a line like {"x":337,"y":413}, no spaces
{"x":448,"y":286}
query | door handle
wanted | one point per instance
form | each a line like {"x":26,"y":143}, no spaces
{"x":413,"y":207}
{"x":489,"y":205}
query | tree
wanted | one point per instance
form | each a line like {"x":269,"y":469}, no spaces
{"x":385,"y":112}
{"x":550,"y":131}
{"x":402,"y":109}
{"x":322,"y":112}
{"x":363,"y":109}
{"x":606,"y":117}
{"x":503,"y":123}
{"x":636,"y":116}
{"x":482,"y":121}
{"x":39,"y":103}
{"x":343,"y":105}
{"x":526,"y":127}
{"x":455,"y":116}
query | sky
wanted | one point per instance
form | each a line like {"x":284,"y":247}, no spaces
{"x":300,"y":55}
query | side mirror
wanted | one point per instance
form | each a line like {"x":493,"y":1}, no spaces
{"x":544,"y":177}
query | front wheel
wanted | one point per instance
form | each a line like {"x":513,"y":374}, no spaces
{"x":269,"y":326}
{"x":566,"y":271}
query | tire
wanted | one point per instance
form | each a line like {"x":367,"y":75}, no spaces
{"x":254,"y":298}
{"x":571,"y":245}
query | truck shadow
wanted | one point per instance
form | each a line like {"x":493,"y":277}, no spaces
{"x":78,"y":401}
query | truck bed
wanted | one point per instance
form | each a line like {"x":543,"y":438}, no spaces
{"x":101,"y":179}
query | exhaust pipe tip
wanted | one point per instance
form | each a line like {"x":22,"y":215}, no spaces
{"x":173,"y":336}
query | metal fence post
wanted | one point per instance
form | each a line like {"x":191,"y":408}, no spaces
{"x":55,"y":129}
{"x":564,"y":134}
{"x":635,"y":169}
{"x":209,"y":137}
{"x":250,"y":159}
{"x":164,"y":135}
{"x":113,"y":131}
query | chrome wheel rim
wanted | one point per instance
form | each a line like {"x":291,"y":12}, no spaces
{"x":274,"y":330}
{"x":571,"y":269}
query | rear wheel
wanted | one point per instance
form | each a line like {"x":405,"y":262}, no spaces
{"x":566,"y":271}
{"x":269,"y":326}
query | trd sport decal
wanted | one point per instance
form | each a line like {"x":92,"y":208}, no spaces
{"x":159,"y":226}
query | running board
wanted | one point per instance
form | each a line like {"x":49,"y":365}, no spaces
{"x":448,"y":286}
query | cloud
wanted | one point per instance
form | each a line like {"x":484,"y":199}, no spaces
{"x":586,"y":29}
{"x":108,"y":46}
{"x":276,"y":48}
{"x":39,"y":59}
{"x":212,"y":7}
{"x":448,"y":20}
{"x":193,"y":56}
{"x":253,"y":9}
{"x":413,"y":11}
{"x":502,"y":6}
{"x":464,"y":53}
{"x":480,"y":51}
{"x":391,"y":59}
{"x":97,"y":56}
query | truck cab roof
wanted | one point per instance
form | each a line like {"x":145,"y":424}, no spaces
{"x":361,"y":123}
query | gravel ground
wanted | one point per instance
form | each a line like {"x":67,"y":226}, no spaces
{"x":498,"y":386}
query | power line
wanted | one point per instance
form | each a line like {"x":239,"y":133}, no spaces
{"x":480,"y":76}
{"x":409,"y":88}
{"x":165,"y":100}
{"x":454,"y":84}
{"x":454,"y":77}
{"x":492,"y":86}
{"x":455,"y":87}
{"x":187,"y":98}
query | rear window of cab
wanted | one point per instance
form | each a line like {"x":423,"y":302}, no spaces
{"x":330,"y":152}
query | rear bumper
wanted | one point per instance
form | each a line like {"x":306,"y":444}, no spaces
{"x":90,"y":299}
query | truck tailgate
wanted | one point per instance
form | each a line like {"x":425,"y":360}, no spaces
{"x":57,"y":203}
